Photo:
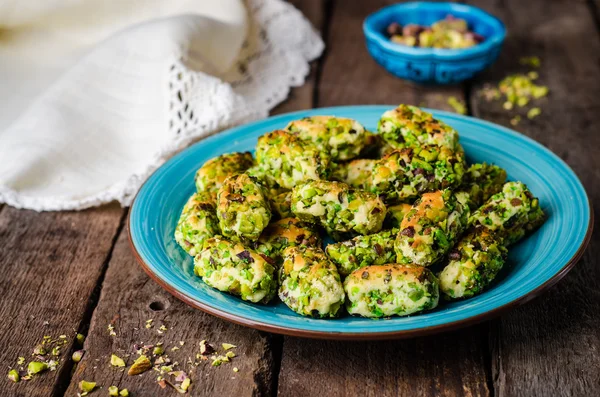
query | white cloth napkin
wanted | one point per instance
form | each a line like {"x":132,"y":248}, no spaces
{"x":95,"y":94}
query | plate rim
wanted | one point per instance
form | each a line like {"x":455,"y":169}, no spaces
{"x":386,"y":335}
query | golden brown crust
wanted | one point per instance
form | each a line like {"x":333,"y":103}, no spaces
{"x":378,"y":271}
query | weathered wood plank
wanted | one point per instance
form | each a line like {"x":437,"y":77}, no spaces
{"x":129,"y":296}
{"x":51,"y":263}
{"x":551,"y":346}
{"x":446,"y":365}
{"x":351,"y":77}
{"x":451,"y":364}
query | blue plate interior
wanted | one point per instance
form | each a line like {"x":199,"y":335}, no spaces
{"x":531,"y":263}
{"x":427,"y":13}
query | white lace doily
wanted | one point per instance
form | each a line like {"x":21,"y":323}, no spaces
{"x":274,"y":57}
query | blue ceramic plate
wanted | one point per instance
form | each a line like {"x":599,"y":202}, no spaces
{"x":533,"y":265}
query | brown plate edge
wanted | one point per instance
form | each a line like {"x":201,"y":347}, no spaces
{"x":370,"y":336}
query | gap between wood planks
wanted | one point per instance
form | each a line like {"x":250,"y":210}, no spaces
{"x":66,"y":371}
{"x":327,"y":10}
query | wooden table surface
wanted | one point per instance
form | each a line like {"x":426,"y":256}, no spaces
{"x":73,"y":272}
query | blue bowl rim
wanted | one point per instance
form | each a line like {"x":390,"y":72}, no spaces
{"x":404,"y":334}
{"x":483,"y":48}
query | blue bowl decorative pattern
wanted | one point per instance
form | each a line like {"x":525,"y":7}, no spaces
{"x":533,"y":265}
{"x":433,"y":65}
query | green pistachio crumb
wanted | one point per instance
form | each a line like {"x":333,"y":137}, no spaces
{"x":40,"y":350}
{"x":13,"y":375}
{"x":116,"y":361}
{"x":230,"y":354}
{"x":235,"y":369}
{"x":80,"y":338}
{"x":113,"y":391}
{"x":218,"y":360}
{"x":515,"y":120}
{"x":158,"y":351}
{"x":35,"y":367}
{"x":21,"y":361}
{"x":206,"y":348}
{"x":111,"y":330}
{"x":458,"y":105}
{"x":532,"y":61}
{"x":490,"y":93}
{"x":86,"y":386}
{"x":533,"y":113}
{"x":186,"y":384}
{"x":55,"y":351}
{"x":519,"y":89}
{"x":52,"y":364}
{"x":77,"y":355}
{"x":124,"y":393}
{"x":140,"y":365}
{"x":228,"y":346}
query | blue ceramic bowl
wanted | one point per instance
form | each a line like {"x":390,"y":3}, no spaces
{"x":433,"y":65}
{"x":533,"y":265}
